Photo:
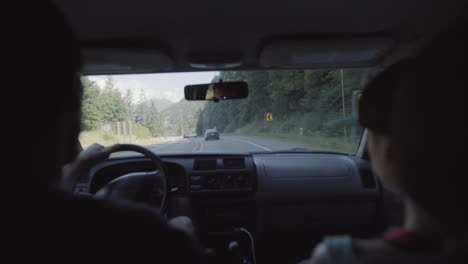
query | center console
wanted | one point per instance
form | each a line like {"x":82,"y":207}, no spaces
{"x":221,"y":192}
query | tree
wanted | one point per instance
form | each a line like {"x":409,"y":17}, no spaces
{"x":199,"y":126}
{"x":141,"y":109}
{"x":91,"y":116}
{"x":112,"y":105}
{"x":152,"y":121}
{"x":128,"y":100}
{"x":146,"y":115}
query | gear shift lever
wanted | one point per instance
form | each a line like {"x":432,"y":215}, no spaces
{"x":236,"y":253}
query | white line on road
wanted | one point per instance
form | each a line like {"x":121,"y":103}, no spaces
{"x":196,"y":145}
{"x":252,"y":144}
{"x":201,"y":146}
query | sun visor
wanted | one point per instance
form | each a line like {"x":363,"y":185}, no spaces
{"x":325,"y":53}
{"x":121,"y":61}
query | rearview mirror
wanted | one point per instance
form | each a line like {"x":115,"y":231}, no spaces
{"x":216,"y":91}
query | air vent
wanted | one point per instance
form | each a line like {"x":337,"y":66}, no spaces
{"x":234,"y":163}
{"x":205,"y":164}
{"x":367,"y":179}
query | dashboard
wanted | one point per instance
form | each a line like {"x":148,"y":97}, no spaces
{"x":281,"y":199}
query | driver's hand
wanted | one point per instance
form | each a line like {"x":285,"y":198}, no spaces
{"x":183,"y":223}
{"x":83,"y":162}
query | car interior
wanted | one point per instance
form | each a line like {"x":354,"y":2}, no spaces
{"x":253,"y":206}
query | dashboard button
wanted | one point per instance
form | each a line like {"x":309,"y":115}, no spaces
{"x":195,"y":178}
{"x":211,"y":181}
{"x":195,"y":187}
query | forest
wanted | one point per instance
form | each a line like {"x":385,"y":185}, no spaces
{"x":107,"y":106}
{"x":305,"y":104}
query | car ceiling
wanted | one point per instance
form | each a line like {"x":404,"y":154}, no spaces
{"x":205,"y":31}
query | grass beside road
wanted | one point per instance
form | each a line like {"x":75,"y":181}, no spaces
{"x":88,"y":138}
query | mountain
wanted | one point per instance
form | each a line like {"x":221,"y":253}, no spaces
{"x":162,"y":104}
{"x":184,"y":112}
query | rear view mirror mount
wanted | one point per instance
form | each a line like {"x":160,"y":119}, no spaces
{"x":356,"y":97}
{"x":216,"y":91}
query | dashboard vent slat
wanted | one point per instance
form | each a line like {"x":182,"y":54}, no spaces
{"x":204,"y":164}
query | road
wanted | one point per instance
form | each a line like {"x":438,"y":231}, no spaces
{"x":224,"y":144}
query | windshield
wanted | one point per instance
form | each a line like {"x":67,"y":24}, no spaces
{"x":294,"y":110}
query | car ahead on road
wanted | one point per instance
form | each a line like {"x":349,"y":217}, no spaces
{"x":193,"y":135}
{"x":211,"y":134}
{"x":186,"y":135}
{"x":302,"y":62}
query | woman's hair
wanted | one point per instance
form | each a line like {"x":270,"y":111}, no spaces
{"x":376,"y":104}
{"x":420,"y":103}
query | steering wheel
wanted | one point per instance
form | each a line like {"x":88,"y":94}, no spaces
{"x":139,"y":186}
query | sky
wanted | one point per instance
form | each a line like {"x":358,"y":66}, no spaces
{"x":156,"y":85}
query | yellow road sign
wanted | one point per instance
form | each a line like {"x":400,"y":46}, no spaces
{"x":269,"y":117}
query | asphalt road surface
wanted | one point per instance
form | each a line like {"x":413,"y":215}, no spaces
{"x":224,"y":144}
